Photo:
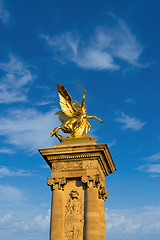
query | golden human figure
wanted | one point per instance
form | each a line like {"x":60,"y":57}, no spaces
{"x":73,"y":116}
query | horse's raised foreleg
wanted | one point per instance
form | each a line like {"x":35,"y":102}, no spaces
{"x":89,"y":117}
{"x":55,"y":132}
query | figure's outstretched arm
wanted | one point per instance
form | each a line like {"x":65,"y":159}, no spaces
{"x":89,"y":117}
{"x":83,"y":98}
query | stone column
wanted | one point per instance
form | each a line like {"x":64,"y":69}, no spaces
{"x":96,"y":193}
{"x":92,"y":208}
{"x":78,"y":211}
{"x":101,"y":220}
{"x":103,"y":194}
{"x":57,"y":209}
{"x":92,"y":213}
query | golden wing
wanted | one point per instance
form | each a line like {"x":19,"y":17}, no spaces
{"x":66,"y":103}
{"x":62,"y":116}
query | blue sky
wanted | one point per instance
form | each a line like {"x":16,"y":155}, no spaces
{"x":111,"y":48}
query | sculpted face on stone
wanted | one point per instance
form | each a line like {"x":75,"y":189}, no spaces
{"x":73,"y":116}
{"x":74,"y":194}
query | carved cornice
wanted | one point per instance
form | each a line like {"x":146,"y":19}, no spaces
{"x":79,"y":152}
{"x":73,"y":156}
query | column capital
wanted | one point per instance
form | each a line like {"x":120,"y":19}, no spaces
{"x":92,"y":181}
{"x":96,"y":181}
{"x":56,"y":183}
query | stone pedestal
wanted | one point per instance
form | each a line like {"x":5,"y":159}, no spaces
{"x":78,"y":170}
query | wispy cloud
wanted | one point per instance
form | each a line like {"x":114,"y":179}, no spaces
{"x":6,"y":172}
{"x":130,"y":222}
{"x":28,"y":129}
{"x":154,"y":158}
{"x":16,"y":77}
{"x":151,"y":167}
{"x":111,"y":143}
{"x":47,"y":96}
{"x":6,"y":151}
{"x":129,"y":122}
{"x":100,"y":50}
{"x":45,"y":166}
{"x":19,"y":215}
{"x":4,"y":14}
{"x":44,"y":102}
{"x":10,"y":194}
{"x":15,"y":222}
{"x":130,"y":101}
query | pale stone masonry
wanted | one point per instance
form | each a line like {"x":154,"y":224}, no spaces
{"x":78,"y":170}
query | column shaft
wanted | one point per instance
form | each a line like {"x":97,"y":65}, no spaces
{"x":101,"y":219}
{"x":57,"y":221}
{"x":92,"y":214}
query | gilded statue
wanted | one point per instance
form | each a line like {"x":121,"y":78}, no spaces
{"x":73,"y":116}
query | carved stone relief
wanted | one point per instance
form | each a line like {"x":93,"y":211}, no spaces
{"x":73,"y":165}
{"x":103,"y":193}
{"x":74,"y":216}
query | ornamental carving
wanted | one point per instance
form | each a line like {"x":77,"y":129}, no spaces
{"x":96,"y":182}
{"x":69,"y":165}
{"x":73,"y":165}
{"x":74,"y":217}
{"x":103,"y":193}
{"x":56,"y":183}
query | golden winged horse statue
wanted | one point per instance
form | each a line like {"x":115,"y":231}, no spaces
{"x":73,"y":115}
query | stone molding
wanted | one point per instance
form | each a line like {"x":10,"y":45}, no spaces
{"x":84,"y":152}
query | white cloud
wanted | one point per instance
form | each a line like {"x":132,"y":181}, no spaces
{"x":16,"y":222}
{"x":130,"y":122}
{"x":127,"y":47}
{"x":154,"y":158}
{"x":133,"y":222}
{"x":4,"y":14}
{"x":44,"y":102}
{"x":29,"y":129}
{"x":111,"y":143}
{"x":6,"y":151}
{"x":131,"y":101}
{"x":6,"y":172}
{"x":45,"y":166}
{"x":151,"y":167}
{"x":100,"y":50}
{"x":10,"y":194}
{"x":47,"y":96}
{"x":19,"y":216}
{"x":15,"y":80}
